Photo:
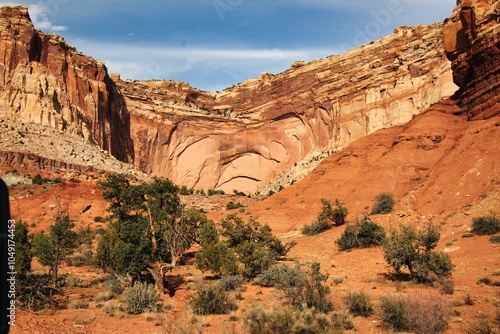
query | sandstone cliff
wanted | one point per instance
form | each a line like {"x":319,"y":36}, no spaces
{"x":472,"y":43}
{"x":244,"y":136}
{"x":443,"y":166}
{"x":45,"y":81}
{"x":237,"y":139}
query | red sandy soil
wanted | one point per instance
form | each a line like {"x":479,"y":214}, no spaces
{"x":440,"y":168}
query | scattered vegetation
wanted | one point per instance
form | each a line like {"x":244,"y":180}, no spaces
{"x":38,"y":179}
{"x":211,"y":299}
{"x":286,"y":320}
{"x":282,"y":275}
{"x":482,"y":325}
{"x":307,"y":290}
{"x":58,"y":245}
{"x":495,"y":239}
{"x":384,"y":203}
{"x":231,"y":205}
{"x":328,"y":217}
{"x":422,"y":315}
{"x":487,"y":225}
{"x":140,"y":298}
{"x":149,"y":229}
{"x":359,"y":303}
{"x":246,"y":248}
{"x":363,"y":234}
{"x":213,"y":192}
{"x":231,"y":282}
{"x":23,"y":249}
{"x":78,"y":304}
{"x":414,"y":250}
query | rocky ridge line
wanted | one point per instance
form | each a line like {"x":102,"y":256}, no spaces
{"x":237,"y":139}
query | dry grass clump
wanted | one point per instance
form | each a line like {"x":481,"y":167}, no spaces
{"x":417,"y":313}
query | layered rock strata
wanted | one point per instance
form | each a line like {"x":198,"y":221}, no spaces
{"x":237,"y":139}
{"x":43,"y":80}
{"x":247,"y":134}
{"x":472,"y":43}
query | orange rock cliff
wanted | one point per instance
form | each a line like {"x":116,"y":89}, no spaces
{"x":245,"y":135}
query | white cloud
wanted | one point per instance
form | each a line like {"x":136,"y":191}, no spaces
{"x":40,"y":16}
{"x":204,"y":68}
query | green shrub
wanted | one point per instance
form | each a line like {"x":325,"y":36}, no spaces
{"x":281,"y":275}
{"x":428,"y":267}
{"x":307,"y":290}
{"x":495,"y":239}
{"x":484,"y":280}
{"x":414,"y":250}
{"x":315,"y":228}
{"x":341,"y":320}
{"x":359,"y":303}
{"x":328,"y":217}
{"x":394,"y":312}
{"x":384,"y":203}
{"x":213,"y":192}
{"x":239,"y":193}
{"x":185,"y":191}
{"x":231,"y":205}
{"x":348,"y":239}
{"x":140,"y":298}
{"x":38,"y":179}
{"x":246,"y":248}
{"x":230,"y":282}
{"x":361,"y":235}
{"x":487,"y":225}
{"x":98,"y":219}
{"x":211,"y":299}
{"x":286,"y":320}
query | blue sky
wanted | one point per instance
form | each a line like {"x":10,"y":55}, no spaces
{"x":212,"y":44}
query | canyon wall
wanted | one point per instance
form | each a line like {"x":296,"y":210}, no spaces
{"x":239,"y":138}
{"x":43,"y":80}
{"x":472,"y":43}
{"x":249,"y":133}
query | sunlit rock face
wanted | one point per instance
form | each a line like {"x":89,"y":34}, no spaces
{"x":247,"y":134}
{"x":239,"y":138}
{"x":44,"y":80}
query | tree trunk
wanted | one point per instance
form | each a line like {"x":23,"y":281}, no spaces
{"x":158,"y":271}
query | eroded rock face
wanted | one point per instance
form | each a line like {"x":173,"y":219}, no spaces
{"x":472,"y":43}
{"x":246,"y":135}
{"x":237,"y":139}
{"x":43,"y":80}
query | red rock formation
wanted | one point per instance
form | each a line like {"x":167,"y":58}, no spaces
{"x":472,"y":43}
{"x":238,"y":139}
{"x":248,"y":134}
{"x":45,"y":81}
